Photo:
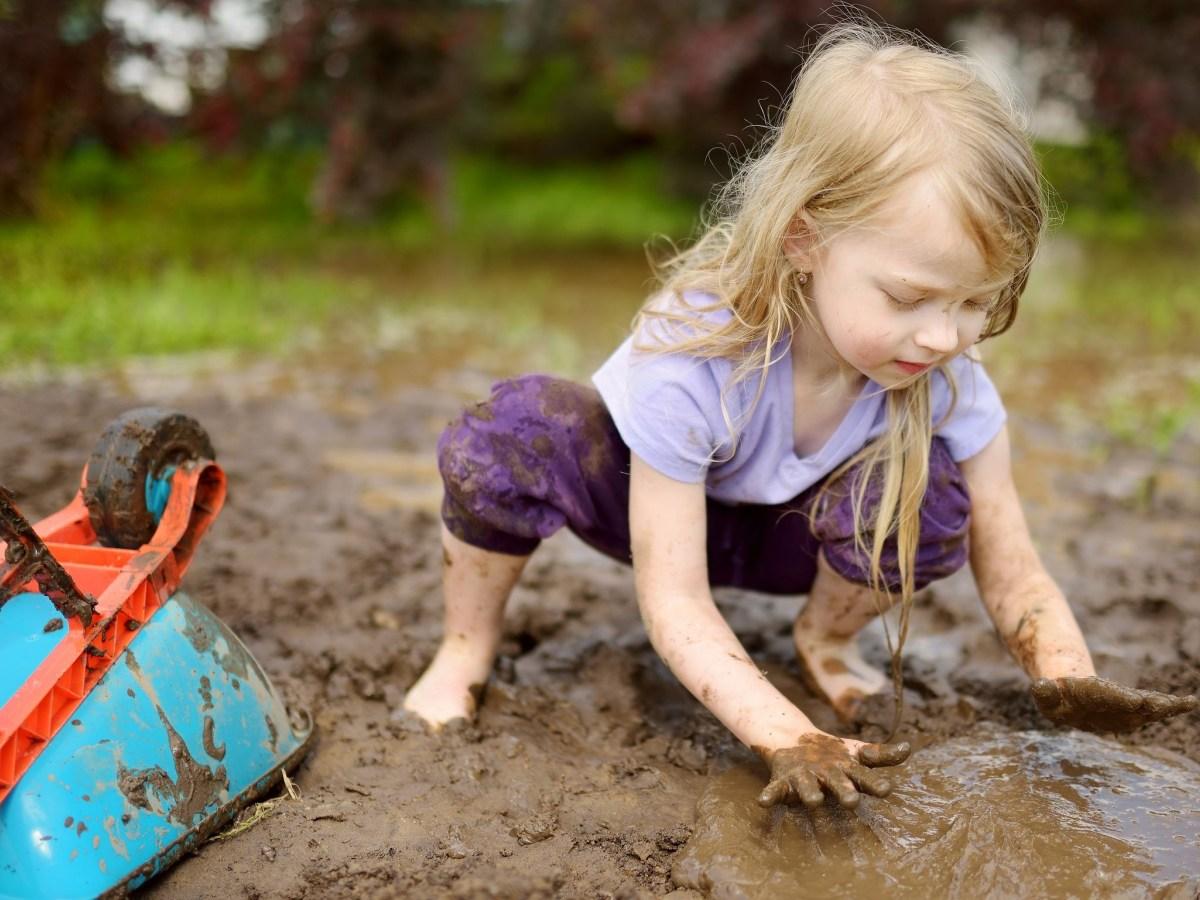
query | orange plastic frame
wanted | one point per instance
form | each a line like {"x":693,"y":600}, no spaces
{"x":129,"y":585}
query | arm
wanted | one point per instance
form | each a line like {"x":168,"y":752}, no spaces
{"x":1032,"y":616}
{"x":667,"y":520}
{"x":668,"y":530}
{"x":1026,"y":606}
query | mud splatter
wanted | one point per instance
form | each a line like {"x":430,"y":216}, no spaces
{"x":194,"y":788}
{"x":114,"y":839}
{"x":211,"y":747}
{"x":1023,"y":641}
{"x":272,"y":733}
{"x":199,"y":633}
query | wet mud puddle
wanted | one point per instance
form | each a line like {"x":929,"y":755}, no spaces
{"x":992,"y":813}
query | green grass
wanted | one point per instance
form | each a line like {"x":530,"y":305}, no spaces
{"x":622,"y":205}
{"x":1141,"y":422}
{"x":175,"y":252}
{"x":173,"y":308}
{"x":1105,"y":338}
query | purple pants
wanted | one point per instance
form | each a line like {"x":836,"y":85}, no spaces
{"x":544,"y":452}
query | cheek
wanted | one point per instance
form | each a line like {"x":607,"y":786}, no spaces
{"x":969,"y":334}
{"x":861,"y":336}
{"x":872,"y":344}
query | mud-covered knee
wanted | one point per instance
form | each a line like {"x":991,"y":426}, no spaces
{"x":467,"y":440}
{"x":453,"y":446}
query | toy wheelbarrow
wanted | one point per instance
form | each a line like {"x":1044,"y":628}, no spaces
{"x":133,"y":723}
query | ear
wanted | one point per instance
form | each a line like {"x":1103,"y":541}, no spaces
{"x":799,"y":242}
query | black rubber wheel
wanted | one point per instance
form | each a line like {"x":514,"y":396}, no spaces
{"x":137,"y":443}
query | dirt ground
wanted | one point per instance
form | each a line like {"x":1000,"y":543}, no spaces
{"x":582,"y":776}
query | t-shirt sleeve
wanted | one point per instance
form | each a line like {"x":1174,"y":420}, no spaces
{"x":976,"y":415}
{"x":666,"y":407}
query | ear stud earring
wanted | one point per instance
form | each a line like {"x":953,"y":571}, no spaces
{"x":802,"y":277}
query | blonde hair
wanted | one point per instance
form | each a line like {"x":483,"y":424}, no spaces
{"x":870,"y":108}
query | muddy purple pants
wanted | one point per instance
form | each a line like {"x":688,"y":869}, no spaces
{"x":543,"y":453}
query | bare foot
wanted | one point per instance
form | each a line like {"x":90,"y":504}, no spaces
{"x":449,"y":689}
{"x":833,"y":669}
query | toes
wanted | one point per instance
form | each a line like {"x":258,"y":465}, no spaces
{"x":410,"y":722}
{"x":476,"y":692}
{"x":459,"y":725}
{"x":437,"y":714}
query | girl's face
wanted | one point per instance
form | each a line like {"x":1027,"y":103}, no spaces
{"x":904,"y":292}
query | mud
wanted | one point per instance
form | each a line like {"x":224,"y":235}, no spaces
{"x":582,"y":774}
{"x":194,"y":787}
{"x":992,"y":813}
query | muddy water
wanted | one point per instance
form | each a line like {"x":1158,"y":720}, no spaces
{"x":992,"y":813}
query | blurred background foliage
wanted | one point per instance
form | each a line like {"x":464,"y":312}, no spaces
{"x":362,"y":168}
{"x":388,"y":92}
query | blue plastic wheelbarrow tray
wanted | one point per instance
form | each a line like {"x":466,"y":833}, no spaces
{"x":133,"y":723}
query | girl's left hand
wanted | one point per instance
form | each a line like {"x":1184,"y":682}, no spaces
{"x":1095,"y":704}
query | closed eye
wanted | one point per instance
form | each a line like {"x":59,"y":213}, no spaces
{"x":902,"y":304}
{"x":975,"y":304}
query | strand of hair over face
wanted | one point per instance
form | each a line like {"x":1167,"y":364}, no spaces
{"x":870,"y":108}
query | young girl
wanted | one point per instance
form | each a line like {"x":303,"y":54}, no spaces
{"x":797,"y":411}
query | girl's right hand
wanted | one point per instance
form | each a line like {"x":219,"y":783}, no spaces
{"x":821,"y":763}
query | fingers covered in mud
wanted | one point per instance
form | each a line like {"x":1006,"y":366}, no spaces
{"x":875,"y":755}
{"x":1096,"y":704}
{"x":821,"y":764}
{"x":869,"y":782}
{"x":800,"y":787}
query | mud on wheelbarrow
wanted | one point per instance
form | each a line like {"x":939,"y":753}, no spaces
{"x":133,"y":723}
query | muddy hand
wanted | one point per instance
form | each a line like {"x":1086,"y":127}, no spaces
{"x":1094,"y":704}
{"x":820,"y":763}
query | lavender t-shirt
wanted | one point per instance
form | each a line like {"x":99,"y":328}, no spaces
{"x":667,"y":408}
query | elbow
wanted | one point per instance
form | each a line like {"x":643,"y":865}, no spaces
{"x":655,"y":619}
{"x":674,"y":620}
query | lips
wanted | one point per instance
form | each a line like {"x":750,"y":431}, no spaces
{"x":912,"y":368}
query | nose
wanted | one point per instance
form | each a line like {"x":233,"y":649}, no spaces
{"x":938,"y":334}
